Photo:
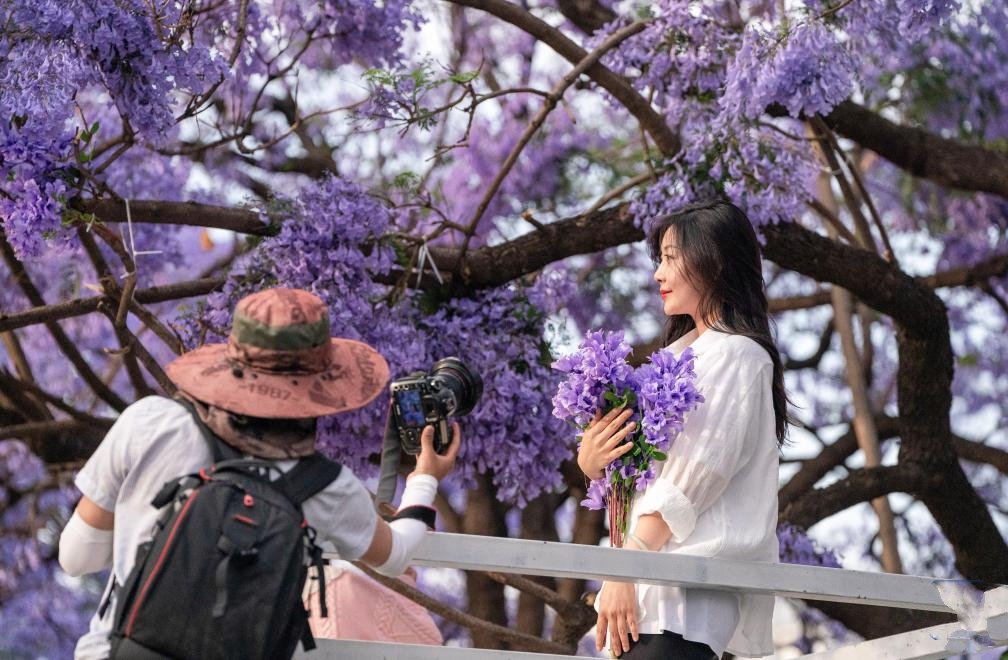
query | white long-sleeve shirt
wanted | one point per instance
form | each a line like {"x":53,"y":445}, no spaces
{"x":717,"y":492}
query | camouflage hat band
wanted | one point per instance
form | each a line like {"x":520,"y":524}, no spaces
{"x":287,"y":337}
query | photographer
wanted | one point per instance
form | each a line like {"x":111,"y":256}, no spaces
{"x":261,"y":394}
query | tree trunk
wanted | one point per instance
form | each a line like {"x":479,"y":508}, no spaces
{"x":485,"y":516}
{"x":538,"y":523}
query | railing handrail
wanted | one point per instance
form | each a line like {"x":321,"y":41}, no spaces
{"x":569,"y":560}
{"x":525,"y":557}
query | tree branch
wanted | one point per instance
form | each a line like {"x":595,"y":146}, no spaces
{"x":830,"y":457}
{"x":812,"y":361}
{"x":923,"y":154}
{"x":859,"y":486}
{"x":191,"y":214}
{"x":532,"y":128}
{"x":497,"y":631}
{"x":924,"y":383}
{"x":62,"y":340}
{"x":978,"y":452}
{"x":636,"y":105}
{"x":81,"y":306}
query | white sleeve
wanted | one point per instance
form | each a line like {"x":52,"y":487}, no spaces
{"x":83,"y":548}
{"x":103,"y":475}
{"x":407,"y":533}
{"x":716,"y":441}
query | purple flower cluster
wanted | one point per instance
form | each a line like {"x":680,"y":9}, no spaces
{"x":333,"y":241}
{"x":665,"y":393}
{"x":20,"y":469}
{"x":368,"y":31}
{"x":797,"y":548}
{"x":55,"y":59}
{"x":660,"y":392}
{"x":597,"y":367}
{"x":125,"y":54}
{"x":32,"y":173}
{"x":681,"y":55}
{"x":809,"y":71}
{"x":510,"y":435}
{"x":40,"y":615}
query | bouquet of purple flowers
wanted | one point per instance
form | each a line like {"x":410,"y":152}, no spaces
{"x":660,"y":392}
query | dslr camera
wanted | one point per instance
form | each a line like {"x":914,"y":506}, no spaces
{"x":449,"y":389}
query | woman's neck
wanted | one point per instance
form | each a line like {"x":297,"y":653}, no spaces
{"x":701,"y":326}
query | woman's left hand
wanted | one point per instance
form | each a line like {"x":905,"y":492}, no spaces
{"x":617,"y":608}
{"x":603,"y":441}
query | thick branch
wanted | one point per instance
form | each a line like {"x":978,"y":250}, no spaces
{"x":588,"y":15}
{"x":871,"y":279}
{"x":923,"y":154}
{"x":859,"y":486}
{"x":59,"y":441}
{"x":924,"y":383}
{"x":978,"y":452}
{"x":81,"y":306}
{"x":192,"y":214}
{"x":493,"y":266}
{"x":831,"y":456}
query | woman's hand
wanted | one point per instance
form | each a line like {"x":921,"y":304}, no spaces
{"x":600,"y":443}
{"x":617,"y":608}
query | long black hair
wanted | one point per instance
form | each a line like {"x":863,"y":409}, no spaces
{"x":722,"y":261}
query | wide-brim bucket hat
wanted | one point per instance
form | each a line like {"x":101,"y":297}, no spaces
{"x":280,"y":362}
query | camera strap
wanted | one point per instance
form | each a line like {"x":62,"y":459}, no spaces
{"x":389,"y":463}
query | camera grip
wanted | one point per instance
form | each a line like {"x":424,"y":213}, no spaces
{"x":442,"y":435}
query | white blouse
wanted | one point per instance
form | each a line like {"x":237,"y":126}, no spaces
{"x":717,"y":492}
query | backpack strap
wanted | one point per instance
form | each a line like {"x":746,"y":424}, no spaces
{"x":311,"y":474}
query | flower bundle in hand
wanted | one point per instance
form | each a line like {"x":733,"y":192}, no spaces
{"x":660,"y":392}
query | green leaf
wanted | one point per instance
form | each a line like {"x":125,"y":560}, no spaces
{"x":968,"y":360}
{"x":406,"y":180}
{"x":463,"y":78}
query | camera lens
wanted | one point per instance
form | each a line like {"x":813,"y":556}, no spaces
{"x":452,"y":374}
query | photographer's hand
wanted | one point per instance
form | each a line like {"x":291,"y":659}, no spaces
{"x":601,"y":441}
{"x":435,"y":464}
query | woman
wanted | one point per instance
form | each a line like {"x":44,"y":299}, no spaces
{"x":716,"y":493}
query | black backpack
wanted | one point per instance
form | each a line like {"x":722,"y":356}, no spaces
{"x":224,"y":573}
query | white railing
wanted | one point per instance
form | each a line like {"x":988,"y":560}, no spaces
{"x":566,"y":560}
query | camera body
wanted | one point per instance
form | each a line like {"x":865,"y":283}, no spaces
{"x":449,"y":389}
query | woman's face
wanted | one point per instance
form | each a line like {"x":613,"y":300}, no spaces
{"x":679,"y":296}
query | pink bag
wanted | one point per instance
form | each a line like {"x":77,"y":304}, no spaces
{"x":361,"y":608}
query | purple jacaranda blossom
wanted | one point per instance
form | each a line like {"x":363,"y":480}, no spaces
{"x":598,"y":366}
{"x":665,"y":392}
{"x":334,"y":241}
{"x":797,"y":548}
{"x":659,"y":392}
{"x":596,"y":495}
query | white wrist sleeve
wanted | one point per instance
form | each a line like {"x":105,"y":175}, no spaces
{"x":83,"y":548}
{"x":407,"y":533}
{"x":420,"y":491}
